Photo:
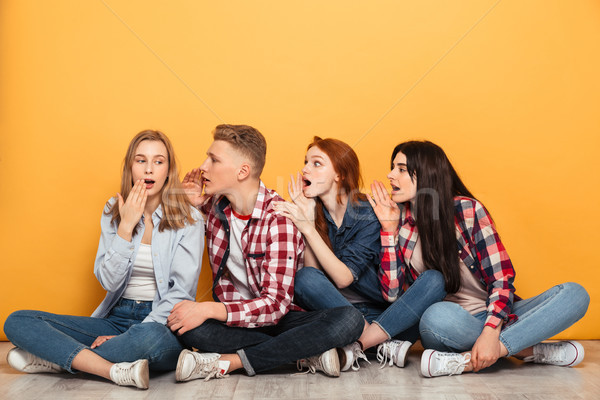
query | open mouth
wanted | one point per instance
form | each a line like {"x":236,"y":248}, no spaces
{"x":149,"y":183}
{"x":395,"y":188}
{"x":306,"y":182}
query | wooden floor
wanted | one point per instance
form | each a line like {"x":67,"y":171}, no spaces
{"x":508,"y":379}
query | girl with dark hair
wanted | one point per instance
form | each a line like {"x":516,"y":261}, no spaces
{"x":433,"y":222}
{"x":341,"y":258}
{"x":148,"y":260}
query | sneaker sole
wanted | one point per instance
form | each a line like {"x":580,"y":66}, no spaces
{"x":425,"y":362}
{"x":578,"y":351}
{"x":400,"y":363}
{"x":331,"y":363}
{"x":179,"y":369}
{"x":145,"y":382}
{"x":344,"y":364}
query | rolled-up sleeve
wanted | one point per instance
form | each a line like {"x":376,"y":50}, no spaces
{"x":114,"y":253}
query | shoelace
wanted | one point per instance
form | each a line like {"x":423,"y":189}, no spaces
{"x":43,"y":363}
{"x":358,"y":354}
{"x":210,"y":367}
{"x":456,"y":364}
{"x":124,"y":375}
{"x":313,"y":364}
{"x":387,"y":351}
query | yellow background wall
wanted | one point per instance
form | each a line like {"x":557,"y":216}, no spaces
{"x":510,"y":89}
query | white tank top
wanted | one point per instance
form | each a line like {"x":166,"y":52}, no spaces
{"x":142,"y":284}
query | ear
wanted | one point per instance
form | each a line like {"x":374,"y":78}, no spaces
{"x":337,"y":178}
{"x":244,"y":171}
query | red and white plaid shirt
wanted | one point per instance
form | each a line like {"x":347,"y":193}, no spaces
{"x":272,"y":248}
{"x":479,"y":247}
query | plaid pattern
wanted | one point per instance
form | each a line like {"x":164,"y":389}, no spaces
{"x":479,"y":247}
{"x":272,"y":248}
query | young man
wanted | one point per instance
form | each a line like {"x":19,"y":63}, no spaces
{"x":254,"y":253}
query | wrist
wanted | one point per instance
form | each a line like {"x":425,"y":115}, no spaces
{"x":218,"y":311}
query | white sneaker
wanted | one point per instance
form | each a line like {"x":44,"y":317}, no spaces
{"x":193,"y":365}
{"x":437,"y":363}
{"x":328,"y":363}
{"x":565,"y":354}
{"x":393,"y":350}
{"x":24,"y":361}
{"x":131,"y":374}
{"x":349,"y":356}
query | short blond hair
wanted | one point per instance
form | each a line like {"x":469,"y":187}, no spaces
{"x":248,"y":141}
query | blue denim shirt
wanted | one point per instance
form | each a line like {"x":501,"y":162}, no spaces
{"x":176,"y":255}
{"x":357,"y":244}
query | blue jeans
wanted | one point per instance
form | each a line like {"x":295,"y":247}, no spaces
{"x":296,"y":336}
{"x":447,"y":326}
{"x":59,"y":338}
{"x":400,"y":319}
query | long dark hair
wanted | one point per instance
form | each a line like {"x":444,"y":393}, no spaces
{"x":346,"y":165}
{"x":437,"y":185}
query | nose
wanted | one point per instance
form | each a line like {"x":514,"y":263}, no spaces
{"x":389,"y":176}
{"x":149,"y":168}
{"x":305,"y":169}
{"x":204,"y":166}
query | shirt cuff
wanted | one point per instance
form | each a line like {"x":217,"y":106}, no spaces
{"x":123,"y":247}
{"x":493,"y":321}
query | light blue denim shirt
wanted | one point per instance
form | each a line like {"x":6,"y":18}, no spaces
{"x":176,"y":255}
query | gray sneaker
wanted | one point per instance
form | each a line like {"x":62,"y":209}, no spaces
{"x":192,"y":365}
{"x":24,"y":361}
{"x":565,"y":354}
{"x":394,"y":351}
{"x":328,"y":363}
{"x":131,"y":374}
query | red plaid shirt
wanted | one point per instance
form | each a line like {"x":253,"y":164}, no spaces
{"x":272,"y":248}
{"x":479,"y":247}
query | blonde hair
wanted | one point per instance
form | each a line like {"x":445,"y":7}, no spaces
{"x":248,"y":141}
{"x":175,"y":204}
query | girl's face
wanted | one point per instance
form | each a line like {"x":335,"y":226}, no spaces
{"x":318,"y":174}
{"x":403,"y":187}
{"x":151,"y":163}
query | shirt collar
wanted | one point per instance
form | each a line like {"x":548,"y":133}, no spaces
{"x":352,"y":211}
{"x":156,"y":215}
{"x":259,"y":206}
{"x":408,"y":218}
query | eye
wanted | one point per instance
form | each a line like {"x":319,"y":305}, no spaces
{"x":158,"y":162}
{"x":317,"y":163}
{"x":140,"y":160}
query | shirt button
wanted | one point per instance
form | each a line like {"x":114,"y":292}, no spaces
{"x":160,"y":281}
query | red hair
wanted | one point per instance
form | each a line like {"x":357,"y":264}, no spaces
{"x":346,"y":165}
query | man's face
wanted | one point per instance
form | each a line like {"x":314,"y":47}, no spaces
{"x":220,"y":169}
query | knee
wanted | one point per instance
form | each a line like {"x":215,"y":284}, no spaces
{"x":150,"y":332}
{"x":14,"y":322}
{"x":435,"y":282}
{"x":578,"y":295}
{"x":350,"y":321}
{"x":435,"y":319}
